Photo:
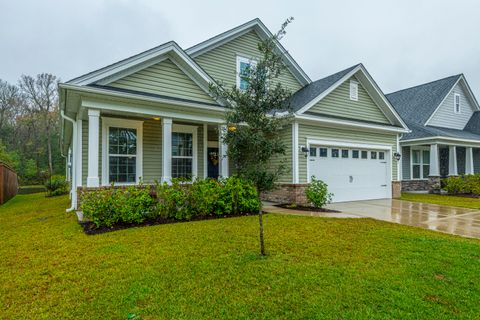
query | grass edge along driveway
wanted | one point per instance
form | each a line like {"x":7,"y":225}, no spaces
{"x":316,"y":268}
{"x":444,"y":200}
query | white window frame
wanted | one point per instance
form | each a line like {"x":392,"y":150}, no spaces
{"x":421,"y":163}
{"x":353,"y":90}
{"x":240,"y":59}
{"x":455,"y":110}
{"x":181,"y":128}
{"x":121,"y":123}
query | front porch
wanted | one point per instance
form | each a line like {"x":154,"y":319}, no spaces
{"x":423,"y":165}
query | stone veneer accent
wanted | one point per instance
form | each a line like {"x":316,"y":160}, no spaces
{"x":287,"y":193}
{"x":432,"y":185}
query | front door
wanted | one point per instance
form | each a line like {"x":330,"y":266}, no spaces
{"x":213,"y":160}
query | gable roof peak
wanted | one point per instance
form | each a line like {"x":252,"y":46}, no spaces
{"x":428,"y":83}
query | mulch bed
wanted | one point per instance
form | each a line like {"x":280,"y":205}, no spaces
{"x":90,"y":228}
{"x":304,"y":208}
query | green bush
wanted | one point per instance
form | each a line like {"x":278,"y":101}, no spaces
{"x":317,"y":193}
{"x":471,"y":184}
{"x":454,"y":185}
{"x":176,"y":201}
{"x":56,"y":185}
{"x":107,"y":207}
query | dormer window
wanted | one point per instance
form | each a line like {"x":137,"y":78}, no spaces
{"x":353,"y":90}
{"x":243,"y":67}
{"x":456,"y":101}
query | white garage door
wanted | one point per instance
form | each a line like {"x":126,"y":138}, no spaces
{"x":351,"y":174}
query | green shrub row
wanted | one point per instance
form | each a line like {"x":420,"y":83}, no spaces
{"x":175,"y":201}
{"x":467,"y":184}
{"x":56,"y":185}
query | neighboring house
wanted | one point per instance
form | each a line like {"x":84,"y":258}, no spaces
{"x":444,"y":117}
{"x":151,"y":117}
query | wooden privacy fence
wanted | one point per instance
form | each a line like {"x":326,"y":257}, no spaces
{"x":8,"y":183}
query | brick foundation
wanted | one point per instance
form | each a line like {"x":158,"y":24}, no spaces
{"x":396,"y":189}
{"x":287,"y":193}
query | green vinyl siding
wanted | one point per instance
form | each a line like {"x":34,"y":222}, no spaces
{"x":344,"y":135}
{"x":221,"y":62}
{"x":152,"y":151}
{"x":164,"y":78}
{"x":338,"y":104}
{"x":285,"y":160}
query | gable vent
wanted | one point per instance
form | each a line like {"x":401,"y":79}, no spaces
{"x":353,"y":90}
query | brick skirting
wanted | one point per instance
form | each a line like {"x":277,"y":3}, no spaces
{"x":287,"y":193}
{"x":432,"y":185}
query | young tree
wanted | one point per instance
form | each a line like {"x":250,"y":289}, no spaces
{"x":257,"y":114}
{"x":9,"y":101}
{"x":41,"y":93}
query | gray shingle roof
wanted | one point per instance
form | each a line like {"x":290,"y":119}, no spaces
{"x":421,"y":131}
{"x":308,"y":93}
{"x":473,"y":124}
{"x":416,"y":104}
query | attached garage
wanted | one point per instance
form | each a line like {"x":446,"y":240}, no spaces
{"x":352,"y":172}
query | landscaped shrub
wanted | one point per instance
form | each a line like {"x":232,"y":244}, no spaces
{"x":56,"y":185}
{"x":107,"y":207}
{"x":179,"y":200}
{"x":454,"y":185}
{"x":472,"y":184}
{"x":317,"y":193}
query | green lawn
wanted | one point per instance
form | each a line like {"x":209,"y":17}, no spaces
{"x":444,"y":200}
{"x":315,"y":268}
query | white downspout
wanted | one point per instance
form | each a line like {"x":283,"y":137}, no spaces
{"x":73,"y":191}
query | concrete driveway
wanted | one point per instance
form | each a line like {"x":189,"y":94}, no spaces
{"x":460,"y":221}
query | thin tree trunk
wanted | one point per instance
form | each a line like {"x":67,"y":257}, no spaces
{"x":260,"y":222}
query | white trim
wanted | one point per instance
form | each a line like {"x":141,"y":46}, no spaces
{"x":108,"y":122}
{"x":348,"y":144}
{"x":399,"y":162}
{"x":349,"y":123}
{"x":205,"y":151}
{"x":295,"y":160}
{"x":93,"y":147}
{"x":455,"y":96}
{"x":181,"y":128}
{"x":435,"y":138}
{"x":452,"y":161}
{"x":79,"y":155}
{"x":223,"y":170}
{"x":140,"y":61}
{"x":153,"y":111}
{"x":240,"y":59}
{"x":421,"y":163}
{"x":263,"y":33}
{"x":353,"y":92}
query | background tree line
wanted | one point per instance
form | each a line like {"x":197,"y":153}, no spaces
{"x":30,"y":127}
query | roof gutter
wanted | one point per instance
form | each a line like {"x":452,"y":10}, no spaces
{"x":73,"y":190}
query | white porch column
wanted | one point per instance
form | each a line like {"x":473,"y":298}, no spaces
{"x":434,"y":162}
{"x":452,"y":161}
{"x":167,"y":150}
{"x":93,"y":146}
{"x":469,"y":161}
{"x":222,"y":150}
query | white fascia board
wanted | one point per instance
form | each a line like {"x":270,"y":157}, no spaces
{"x":140,"y":97}
{"x":470,"y":92}
{"x":347,"y":144}
{"x":347,"y":123}
{"x":149,"y":111}
{"x":443,"y":140}
{"x":141,"y":61}
{"x":263,"y":32}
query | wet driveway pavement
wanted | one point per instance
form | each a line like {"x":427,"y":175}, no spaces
{"x":454,"y":220}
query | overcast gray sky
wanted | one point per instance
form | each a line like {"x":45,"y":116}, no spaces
{"x":401,"y":43}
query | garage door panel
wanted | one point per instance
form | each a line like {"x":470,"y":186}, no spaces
{"x":352,"y":178}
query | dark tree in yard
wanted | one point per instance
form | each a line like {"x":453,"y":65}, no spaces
{"x":257,"y":114}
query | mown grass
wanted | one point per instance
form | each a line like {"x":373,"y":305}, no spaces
{"x":444,"y":200}
{"x":315,"y":268}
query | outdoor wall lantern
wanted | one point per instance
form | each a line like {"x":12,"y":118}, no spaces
{"x":305,"y":151}
{"x":397,"y":156}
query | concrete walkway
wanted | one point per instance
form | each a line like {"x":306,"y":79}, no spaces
{"x":460,"y":221}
